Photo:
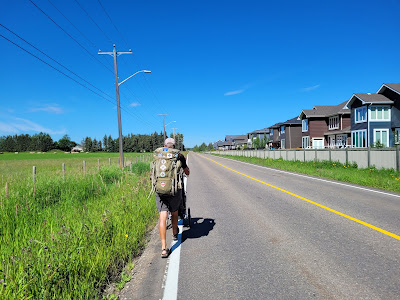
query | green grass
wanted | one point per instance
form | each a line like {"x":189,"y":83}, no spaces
{"x":386,"y":179}
{"x":67,"y":238}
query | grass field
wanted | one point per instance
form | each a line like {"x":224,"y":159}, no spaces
{"x":67,"y":237}
{"x":381,"y":179}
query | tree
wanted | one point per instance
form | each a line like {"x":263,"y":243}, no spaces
{"x":87,"y":144}
{"x":105,"y":143}
{"x":65,"y":143}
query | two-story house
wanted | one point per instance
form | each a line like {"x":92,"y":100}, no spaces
{"x":290,"y":133}
{"x":261,"y":134}
{"x":325,"y":125}
{"x":371,"y":116}
{"x":392,"y":91}
{"x":275,"y":136}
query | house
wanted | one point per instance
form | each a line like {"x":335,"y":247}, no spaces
{"x":232,"y":142}
{"x":392,"y":91}
{"x":275,"y":136}
{"x":325,"y":126}
{"x":290,"y":134}
{"x":371,"y":117}
{"x":77,"y":149}
{"x":217,"y":144}
{"x":261,"y":134}
{"x":239,"y":141}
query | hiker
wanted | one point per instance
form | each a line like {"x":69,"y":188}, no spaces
{"x":167,"y":202}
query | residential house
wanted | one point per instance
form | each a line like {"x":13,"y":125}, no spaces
{"x":218,"y":144}
{"x":371,"y":118}
{"x":275,"y":136}
{"x":261,"y":134}
{"x":290,"y":134}
{"x":392,"y":91}
{"x":239,"y":141}
{"x":325,"y":126}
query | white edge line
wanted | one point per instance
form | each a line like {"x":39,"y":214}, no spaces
{"x":319,"y":179}
{"x":171,"y":284}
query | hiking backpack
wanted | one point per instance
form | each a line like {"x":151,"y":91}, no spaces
{"x":166,"y":171}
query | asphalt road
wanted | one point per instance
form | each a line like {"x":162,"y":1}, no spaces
{"x":261,"y":233}
{"x":254,"y":241}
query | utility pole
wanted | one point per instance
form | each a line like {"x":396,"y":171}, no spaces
{"x":121,"y":149}
{"x":163,"y":122}
{"x":174,"y":131}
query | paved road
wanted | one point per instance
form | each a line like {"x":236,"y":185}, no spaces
{"x":253,"y":241}
{"x":268,"y":234}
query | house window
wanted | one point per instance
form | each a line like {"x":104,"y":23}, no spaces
{"x":380,"y":113}
{"x":332,"y":141}
{"x":341,"y":140}
{"x":381,"y":136}
{"x":397,"y":136}
{"x":282,"y":129}
{"x":283,"y":146}
{"x":359,"y":138}
{"x":361,"y":114}
{"x":304,"y":125}
{"x":305,"y":142}
{"x":334,"y":122}
{"x":271,"y":132}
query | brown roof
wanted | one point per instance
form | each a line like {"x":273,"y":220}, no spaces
{"x":344,"y":130}
{"x":394,"y":86}
{"x":372,"y":98}
{"x":326,"y":110}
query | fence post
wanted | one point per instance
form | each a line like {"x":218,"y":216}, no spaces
{"x":304,"y":155}
{"x":398,"y":158}
{"x":131,"y":167}
{"x":6,"y":194}
{"x":98,"y":164}
{"x":369,"y":157}
{"x":316,"y":156}
{"x":34,"y":180}
{"x":330,"y":154}
{"x":109,"y":161}
{"x":63,"y":170}
{"x":295,"y":158}
{"x":84,"y":167}
{"x":347,"y":156}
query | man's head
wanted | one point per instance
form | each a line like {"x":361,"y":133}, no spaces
{"x":169,"y":143}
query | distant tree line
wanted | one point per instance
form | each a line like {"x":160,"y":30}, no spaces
{"x":37,"y":142}
{"x":203,"y":147}
{"x":43,"y":142}
{"x":131,"y":143}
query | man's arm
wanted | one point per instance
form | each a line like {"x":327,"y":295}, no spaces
{"x":184,"y":165}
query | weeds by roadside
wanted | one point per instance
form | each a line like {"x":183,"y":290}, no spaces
{"x":71,"y":237}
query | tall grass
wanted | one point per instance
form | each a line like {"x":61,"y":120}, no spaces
{"x":386,"y":179}
{"x":70,"y":237}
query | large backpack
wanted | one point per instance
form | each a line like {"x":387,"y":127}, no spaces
{"x":166,"y":171}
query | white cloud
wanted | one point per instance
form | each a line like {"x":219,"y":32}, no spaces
{"x":134,"y":104}
{"x":53,"y":109}
{"x":19,"y":125}
{"x":311,"y":88}
{"x":234,"y":92}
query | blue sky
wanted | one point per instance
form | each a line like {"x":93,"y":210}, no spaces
{"x":218,"y":67}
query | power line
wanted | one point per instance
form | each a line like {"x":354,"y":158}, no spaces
{"x":94,"y":22}
{"x":66,"y":75}
{"x":92,"y":44}
{"x":54,"y":60}
{"x":113,"y":24}
{"x":71,"y":36}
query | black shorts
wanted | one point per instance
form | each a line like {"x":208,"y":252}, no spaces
{"x":169,"y":203}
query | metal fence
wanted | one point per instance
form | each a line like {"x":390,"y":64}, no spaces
{"x":379,"y":158}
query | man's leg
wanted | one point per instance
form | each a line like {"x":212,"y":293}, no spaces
{"x":162,"y":227}
{"x":174,"y":221}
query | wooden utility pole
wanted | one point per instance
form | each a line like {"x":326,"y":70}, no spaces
{"x":163,"y":122}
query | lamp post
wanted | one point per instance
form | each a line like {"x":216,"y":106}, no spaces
{"x":166,"y":126}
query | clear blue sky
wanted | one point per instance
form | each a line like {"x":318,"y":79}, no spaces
{"x":218,"y":67}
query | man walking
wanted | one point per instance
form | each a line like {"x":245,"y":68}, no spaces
{"x":170,"y":203}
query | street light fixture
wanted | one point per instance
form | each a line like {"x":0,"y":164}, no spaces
{"x":166,"y":126}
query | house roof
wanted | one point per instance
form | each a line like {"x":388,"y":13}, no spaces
{"x":325,"y":110}
{"x":277,"y":125}
{"x":292,"y":121}
{"x":264,"y":130}
{"x":392,"y":86}
{"x":240,"y":138}
{"x":231,"y":137}
{"x":344,"y":130}
{"x":369,"y":98}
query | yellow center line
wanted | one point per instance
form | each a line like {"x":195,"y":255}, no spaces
{"x":312,"y":202}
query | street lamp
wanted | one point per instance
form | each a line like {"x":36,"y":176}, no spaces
{"x":166,"y":126}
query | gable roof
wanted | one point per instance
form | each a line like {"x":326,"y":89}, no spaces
{"x":392,"y":86}
{"x":264,"y":130}
{"x":369,"y":98}
{"x":277,"y":125}
{"x":325,"y":110}
{"x":292,"y":121}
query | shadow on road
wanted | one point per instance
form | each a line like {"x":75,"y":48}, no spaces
{"x":200,"y":227}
